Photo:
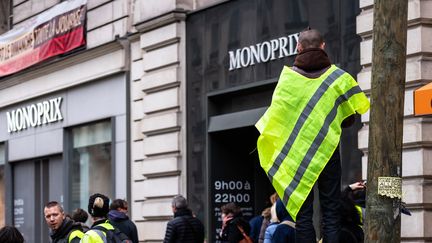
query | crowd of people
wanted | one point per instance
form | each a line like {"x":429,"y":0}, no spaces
{"x":110,"y":223}
{"x":328,"y":101}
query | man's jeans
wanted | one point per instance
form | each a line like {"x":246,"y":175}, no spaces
{"x":329,"y":195}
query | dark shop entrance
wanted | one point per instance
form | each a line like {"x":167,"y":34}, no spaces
{"x":236,"y":175}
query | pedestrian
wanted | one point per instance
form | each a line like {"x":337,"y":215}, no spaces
{"x":80,"y":215}
{"x":234,"y":227}
{"x":62,"y":228}
{"x":258,"y":223}
{"x":10,"y":234}
{"x":119,"y":219}
{"x":274,"y":222}
{"x":184,"y":227}
{"x":271,"y":218}
{"x":101,"y":231}
{"x":351,"y":214}
{"x":285,"y":230}
{"x":300,"y":134}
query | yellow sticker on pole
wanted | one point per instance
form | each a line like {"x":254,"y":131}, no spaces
{"x":390,"y":187}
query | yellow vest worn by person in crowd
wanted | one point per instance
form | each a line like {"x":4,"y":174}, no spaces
{"x":97,"y":236}
{"x":301,"y":129}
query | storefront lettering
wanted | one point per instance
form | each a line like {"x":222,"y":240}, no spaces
{"x":34,"y":115}
{"x":263,"y":52}
{"x":233,"y":191}
{"x":18,"y":212}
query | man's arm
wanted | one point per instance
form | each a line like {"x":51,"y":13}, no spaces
{"x":169,"y":233}
{"x":134,"y":232}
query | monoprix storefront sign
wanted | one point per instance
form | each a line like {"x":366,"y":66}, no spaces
{"x":34,"y":115}
{"x":263,"y":52}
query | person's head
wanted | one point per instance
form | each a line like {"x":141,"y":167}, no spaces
{"x":54,"y":215}
{"x":310,"y":38}
{"x":10,"y":234}
{"x":79,"y":215}
{"x":98,"y":206}
{"x":231,"y":209}
{"x":119,"y":205}
{"x":179,"y":202}
{"x":273,"y":198}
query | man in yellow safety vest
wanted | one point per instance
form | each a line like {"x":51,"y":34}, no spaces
{"x":300,"y":134}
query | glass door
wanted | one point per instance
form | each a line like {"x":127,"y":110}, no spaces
{"x":35,"y":182}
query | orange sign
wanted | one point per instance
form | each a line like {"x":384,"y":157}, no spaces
{"x":423,"y":100}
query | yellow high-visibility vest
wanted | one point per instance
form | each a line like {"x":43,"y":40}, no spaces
{"x":301,"y":129}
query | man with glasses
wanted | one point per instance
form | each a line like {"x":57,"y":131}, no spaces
{"x":119,"y":219}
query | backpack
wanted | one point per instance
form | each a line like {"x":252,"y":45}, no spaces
{"x":113,"y":236}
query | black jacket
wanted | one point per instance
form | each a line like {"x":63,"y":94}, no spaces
{"x":122,"y":222}
{"x":231,"y":232}
{"x":184,"y":228}
{"x":62,"y":234}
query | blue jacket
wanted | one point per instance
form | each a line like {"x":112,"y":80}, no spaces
{"x":283,"y":233}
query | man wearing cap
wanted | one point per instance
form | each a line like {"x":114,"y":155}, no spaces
{"x":62,"y":229}
{"x":184,"y":227}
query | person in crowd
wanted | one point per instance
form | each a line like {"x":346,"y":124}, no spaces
{"x":80,"y":215}
{"x":285,"y":230}
{"x":268,"y":220}
{"x":274,"y":221}
{"x":62,"y":229}
{"x":184,"y":227}
{"x":352,"y":202}
{"x":101,"y":231}
{"x":258,"y":222}
{"x":119,"y":219}
{"x":234,"y":227}
{"x":11,"y":234}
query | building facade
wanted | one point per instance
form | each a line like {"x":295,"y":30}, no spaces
{"x":162,"y":98}
{"x":63,"y":120}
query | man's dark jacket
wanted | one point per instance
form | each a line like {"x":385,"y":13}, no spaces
{"x":122,"y":222}
{"x":62,"y":234}
{"x":184,"y":228}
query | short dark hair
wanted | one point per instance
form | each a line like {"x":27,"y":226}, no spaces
{"x":79,"y":215}
{"x":54,"y":204}
{"x":179,"y":202}
{"x":231,"y":208}
{"x":98,"y":205}
{"x":118,"y":203}
{"x":11,"y":234}
{"x":310,"y":38}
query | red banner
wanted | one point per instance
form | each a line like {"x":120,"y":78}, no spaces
{"x":54,"y":32}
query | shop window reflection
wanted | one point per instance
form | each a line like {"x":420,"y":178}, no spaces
{"x":91,"y":170}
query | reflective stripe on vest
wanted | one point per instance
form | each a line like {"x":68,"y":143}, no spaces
{"x":97,"y":236}
{"x":301,"y":129}
{"x":75,"y":233}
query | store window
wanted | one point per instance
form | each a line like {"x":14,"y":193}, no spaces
{"x":2,"y":184}
{"x":91,"y":162}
